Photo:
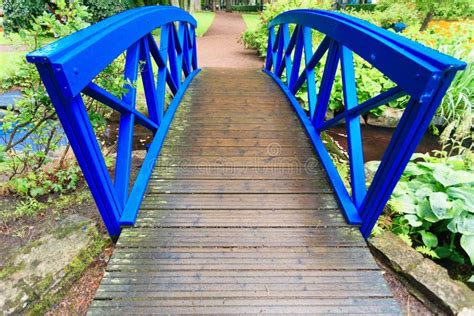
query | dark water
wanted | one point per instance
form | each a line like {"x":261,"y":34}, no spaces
{"x":376,"y":139}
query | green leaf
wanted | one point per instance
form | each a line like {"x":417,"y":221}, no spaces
{"x":456,"y":256}
{"x":406,"y":239}
{"x":440,"y":205}
{"x":465,"y":194}
{"x":443,"y":252}
{"x":427,"y":252}
{"x":413,"y":220}
{"x":429,"y":239}
{"x":467,"y":243}
{"x":412,"y":169}
{"x":423,"y":210}
{"x":37,"y":191}
{"x":465,"y":224}
{"x":424,"y":191}
{"x":449,"y":177}
{"x":404,"y":203}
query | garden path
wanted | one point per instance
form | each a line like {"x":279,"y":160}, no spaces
{"x":221,"y":46}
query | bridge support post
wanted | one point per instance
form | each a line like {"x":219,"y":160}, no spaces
{"x":73,"y":116}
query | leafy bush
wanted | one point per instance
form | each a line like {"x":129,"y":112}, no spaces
{"x":453,"y":39}
{"x":446,"y":9}
{"x":18,"y":13}
{"x":247,"y":8}
{"x":434,"y":207}
{"x":31,"y":130}
{"x":101,"y":9}
{"x":42,"y":182}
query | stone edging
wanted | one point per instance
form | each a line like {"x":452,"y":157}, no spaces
{"x":426,"y":280}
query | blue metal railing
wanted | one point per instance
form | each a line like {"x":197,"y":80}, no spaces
{"x":418,"y":72}
{"x":68,"y":67}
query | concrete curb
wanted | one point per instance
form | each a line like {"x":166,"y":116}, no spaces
{"x":426,"y":280}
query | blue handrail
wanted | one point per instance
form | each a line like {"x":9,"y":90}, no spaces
{"x":67,"y":68}
{"x":419,"y":72}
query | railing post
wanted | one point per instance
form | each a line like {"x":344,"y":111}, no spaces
{"x":127,"y":121}
{"x":73,"y":116}
{"x":354,"y":135}
{"x":413,"y":125}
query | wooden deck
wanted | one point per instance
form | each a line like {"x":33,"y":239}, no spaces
{"x":239,"y":217}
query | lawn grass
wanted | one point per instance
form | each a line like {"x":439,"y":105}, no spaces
{"x":9,"y":62}
{"x":252,"y":20}
{"x":204,"y":19}
{"x":11,"y":39}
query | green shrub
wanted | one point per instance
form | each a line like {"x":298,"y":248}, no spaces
{"x":247,"y":8}
{"x":362,"y":7}
{"x":31,"y":130}
{"x":455,"y":41}
{"x":101,"y":9}
{"x":447,"y":9}
{"x":432,"y":207}
{"x":19,"y":13}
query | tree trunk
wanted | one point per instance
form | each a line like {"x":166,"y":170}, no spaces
{"x":228,"y":5}
{"x":191,"y":4}
{"x":426,"y":21}
{"x":175,"y":3}
{"x":197,"y":5}
{"x":213,"y":6}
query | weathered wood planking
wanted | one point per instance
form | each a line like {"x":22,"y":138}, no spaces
{"x":239,"y":218}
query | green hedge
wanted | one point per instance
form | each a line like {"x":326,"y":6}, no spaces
{"x":361,"y":7}
{"x":247,"y":8}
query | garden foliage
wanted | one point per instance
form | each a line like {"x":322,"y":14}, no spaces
{"x":33,"y":145}
{"x":433,"y":206}
{"x":454,"y":39}
{"x":20,"y":14}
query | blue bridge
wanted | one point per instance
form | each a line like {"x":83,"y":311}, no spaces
{"x":238,"y":206}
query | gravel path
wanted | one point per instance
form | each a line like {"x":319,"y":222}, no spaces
{"x":221,"y":46}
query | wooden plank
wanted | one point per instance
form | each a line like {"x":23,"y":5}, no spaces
{"x":242,"y":237}
{"x":204,"y":162}
{"x":276,"y":135}
{"x":178,"y":150}
{"x":240,"y":218}
{"x":238,"y":186}
{"x":211,"y":126}
{"x":239,"y":201}
{"x":319,"y":306}
{"x":234,"y":172}
{"x":233,"y":142}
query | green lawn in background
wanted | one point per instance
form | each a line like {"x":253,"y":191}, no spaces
{"x":204,"y":19}
{"x":252,"y":20}
{"x":12,"y":39}
{"x":9,"y":61}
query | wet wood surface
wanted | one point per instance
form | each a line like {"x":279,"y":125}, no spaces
{"x":239,"y":217}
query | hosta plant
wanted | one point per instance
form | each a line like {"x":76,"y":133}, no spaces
{"x":432,"y":207}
